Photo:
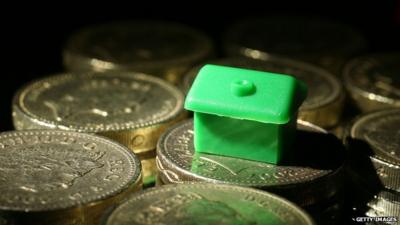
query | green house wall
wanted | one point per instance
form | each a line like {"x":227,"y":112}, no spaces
{"x":240,"y":138}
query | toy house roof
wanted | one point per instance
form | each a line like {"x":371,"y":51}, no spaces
{"x":246,"y":94}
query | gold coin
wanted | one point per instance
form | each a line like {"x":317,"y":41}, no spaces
{"x":373,"y":82}
{"x":164,"y":49}
{"x":52,"y":177}
{"x":208,"y":204}
{"x":131,"y":108}
{"x":324,"y":103}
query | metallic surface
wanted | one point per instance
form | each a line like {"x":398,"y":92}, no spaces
{"x":325,"y":99}
{"x":368,"y":201}
{"x":61,"y":177}
{"x":164,"y":49}
{"x":318,"y":176}
{"x":149,"y":169}
{"x":207,"y":204}
{"x":373,"y":82}
{"x":315,"y":40}
{"x":373,"y":140}
{"x":132,"y":108}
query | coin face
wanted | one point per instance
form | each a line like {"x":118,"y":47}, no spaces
{"x":51,"y":170}
{"x":375,"y":77}
{"x":135,"y":45}
{"x":178,"y":162}
{"x":323,"y":88}
{"x":207,"y":204}
{"x":96,"y":102}
{"x":381,"y":131}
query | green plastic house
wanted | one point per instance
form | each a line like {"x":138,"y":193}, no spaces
{"x":244,"y":113}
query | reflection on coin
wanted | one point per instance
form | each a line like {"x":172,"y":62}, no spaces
{"x":324,"y":102}
{"x":369,"y":202}
{"x":207,"y":204}
{"x":374,"y":142}
{"x":373,"y":81}
{"x":131,"y":108}
{"x":60,"y":177}
{"x":314,"y":40}
{"x":164,"y":49}
{"x":149,"y":171}
{"x":313,"y":177}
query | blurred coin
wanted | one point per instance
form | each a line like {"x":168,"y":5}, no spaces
{"x":164,"y":49}
{"x":373,"y":81}
{"x":207,"y":204}
{"x":53,"y":177}
{"x":315,"y":40}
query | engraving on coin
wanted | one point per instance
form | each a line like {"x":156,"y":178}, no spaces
{"x":373,"y":81}
{"x":57,"y":170}
{"x":381,"y":131}
{"x":49,"y":170}
{"x":207,"y":204}
{"x":178,"y":163}
{"x":373,"y":142}
{"x":178,"y":150}
{"x":97,"y":102}
{"x":159,"y":48}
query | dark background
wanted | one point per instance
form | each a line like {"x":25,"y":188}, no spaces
{"x":32,"y":39}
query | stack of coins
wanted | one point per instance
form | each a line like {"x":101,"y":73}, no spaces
{"x":67,"y":175}
{"x":164,"y":49}
{"x":51,"y":177}
{"x":207,"y":204}
{"x":374,"y":168}
{"x":131,"y":108}
{"x":312,"y":180}
{"x":325,"y":98}
{"x":373,"y":81}
{"x":321,"y":42}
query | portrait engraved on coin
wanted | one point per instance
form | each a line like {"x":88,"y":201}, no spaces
{"x":43,"y":170}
